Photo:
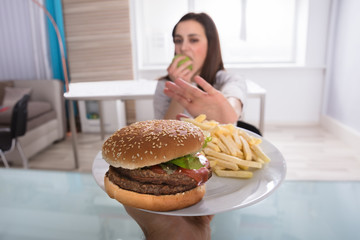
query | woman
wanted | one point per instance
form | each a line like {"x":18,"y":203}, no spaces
{"x":219,"y":94}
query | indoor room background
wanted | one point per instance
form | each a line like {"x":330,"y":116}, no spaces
{"x":305,"y":58}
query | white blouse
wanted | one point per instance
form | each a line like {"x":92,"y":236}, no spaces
{"x":230,"y":85}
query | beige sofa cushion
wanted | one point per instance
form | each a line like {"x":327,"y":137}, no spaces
{"x":36,"y":110}
{"x":3,"y":85}
{"x":13,"y":95}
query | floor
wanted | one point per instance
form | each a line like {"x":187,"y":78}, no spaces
{"x":311,"y":153}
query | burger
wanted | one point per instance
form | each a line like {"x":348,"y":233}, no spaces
{"x":156,"y":165}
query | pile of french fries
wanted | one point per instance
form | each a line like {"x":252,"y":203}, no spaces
{"x":232,"y":152}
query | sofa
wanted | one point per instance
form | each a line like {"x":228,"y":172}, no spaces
{"x":46,"y":113}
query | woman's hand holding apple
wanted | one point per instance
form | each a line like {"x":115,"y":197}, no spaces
{"x":181,"y":67}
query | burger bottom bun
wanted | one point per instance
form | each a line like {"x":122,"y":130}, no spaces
{"x":159,"y":203}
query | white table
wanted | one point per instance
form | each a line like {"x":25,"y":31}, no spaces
{"x":105,"y":90}
{"x":255,"y":91}
{"x":131,"y":90}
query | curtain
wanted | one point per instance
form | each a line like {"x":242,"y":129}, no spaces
{"x":28,"y":43}
{"x":54,"y":7}
{"x":23,"y":41}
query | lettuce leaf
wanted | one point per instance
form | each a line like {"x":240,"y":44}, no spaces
{"x":188,"y":162}
{"x":207,"y":139}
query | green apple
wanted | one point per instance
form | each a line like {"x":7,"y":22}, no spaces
{"x":183,"y":61}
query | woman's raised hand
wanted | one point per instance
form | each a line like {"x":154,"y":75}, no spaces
{"x":208,"y":101}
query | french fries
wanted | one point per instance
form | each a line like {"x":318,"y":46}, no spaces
{"x":232,"y":152}
{"x":234,"y":174}
{"x":229,"y":158}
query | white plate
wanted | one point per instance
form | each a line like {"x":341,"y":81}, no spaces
{"x":225,"y":194}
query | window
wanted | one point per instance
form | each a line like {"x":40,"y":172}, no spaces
{"x":251,"y":31}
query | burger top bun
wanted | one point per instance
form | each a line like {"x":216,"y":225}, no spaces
{"x":151,"y":142}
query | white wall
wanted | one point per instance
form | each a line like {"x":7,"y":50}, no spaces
{"x":342,"y":101}
{"x":293,"y":94}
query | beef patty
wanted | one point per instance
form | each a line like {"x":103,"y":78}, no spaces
{"x":147,"y":181}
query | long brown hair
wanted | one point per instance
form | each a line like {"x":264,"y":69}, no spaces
{"x":213,"y":61}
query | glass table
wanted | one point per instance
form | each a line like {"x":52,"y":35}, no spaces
{"x":69,"y":205}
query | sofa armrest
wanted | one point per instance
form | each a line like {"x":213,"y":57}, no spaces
{"x":50,"y":91}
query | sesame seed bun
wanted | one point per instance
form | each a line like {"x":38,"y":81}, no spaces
{"x":152,"y":142}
